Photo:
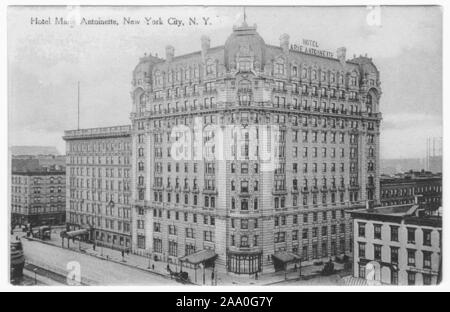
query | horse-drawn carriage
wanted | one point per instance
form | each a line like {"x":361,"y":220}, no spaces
{"x":181,"y":277}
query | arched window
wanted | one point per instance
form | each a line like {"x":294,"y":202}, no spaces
{"x":244,"y":241}
{"x":210,"y":67}
{"x":304,"y":73}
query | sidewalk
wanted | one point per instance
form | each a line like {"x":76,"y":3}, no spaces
{"x":160,"y":267}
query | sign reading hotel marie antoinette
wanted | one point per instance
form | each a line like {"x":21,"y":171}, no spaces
{"x":310,"y":47}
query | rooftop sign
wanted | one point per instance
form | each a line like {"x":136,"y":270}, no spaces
{"x":310,"y":47}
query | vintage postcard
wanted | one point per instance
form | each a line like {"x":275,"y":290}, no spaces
{"x":225,"y":145}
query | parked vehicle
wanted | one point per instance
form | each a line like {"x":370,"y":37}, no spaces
{"x":42,"y":232}
{"x":17,"y":261}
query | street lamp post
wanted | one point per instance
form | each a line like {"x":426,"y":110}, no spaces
{"x":300,"y":268}
{"x":35,"y":277}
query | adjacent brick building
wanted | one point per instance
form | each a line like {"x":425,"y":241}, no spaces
{"x":402,"y":189}
{"x":98,"y":184}
{"x":397,"y":245}
{"x":37,"y":194}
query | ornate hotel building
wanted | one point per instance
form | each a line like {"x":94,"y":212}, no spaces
{"x":98,"y":184}
{"x":327,"y":113}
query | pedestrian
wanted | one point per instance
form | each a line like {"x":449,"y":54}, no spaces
{"x":93,"y":247}
{"x":153,"y":267}
{"x":256,"y":276}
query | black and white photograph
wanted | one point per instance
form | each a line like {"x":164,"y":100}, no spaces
{"x":242,"y":145}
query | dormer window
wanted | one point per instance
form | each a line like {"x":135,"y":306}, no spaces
{"x":244,"y":65}
{"x":279,"y":69}
{"x":304,"y":73}
{"x":210,"y":67}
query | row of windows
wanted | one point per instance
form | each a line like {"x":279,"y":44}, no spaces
{"x":246,"y":117}
{"x":100,"y":146}
{"x":101,"y":222}
{"x":394,"y":252}
{"x":411,"y":276}
{"x":100,"y":184}
{"x":99,"y":160}
{"x":78,"y":197}
{"x":387,"y":193}
{"x":394,"y":233}
{"x":100,"y":172}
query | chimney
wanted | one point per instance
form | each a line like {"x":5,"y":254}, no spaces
{"x":284,"y":42}
{"x":341,"y":54}
{"x":370,"y":205}
{"x":170,"y":51}
{"x":205,"y":45}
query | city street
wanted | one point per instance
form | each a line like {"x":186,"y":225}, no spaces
{"x":94,"y":271}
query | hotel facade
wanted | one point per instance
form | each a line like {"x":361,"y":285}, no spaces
{"x":325,"y":112}
{"x":98,"y":184}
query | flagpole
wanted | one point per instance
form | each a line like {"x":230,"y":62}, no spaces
{"x":78,"y":111}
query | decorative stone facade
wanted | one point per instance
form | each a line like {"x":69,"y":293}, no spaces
{"x":327,"y":114}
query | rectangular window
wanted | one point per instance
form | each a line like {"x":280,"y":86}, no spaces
{"x":411,"y":235}
{"x":427,"y":237}
{"x":361,"y":229}
{"x":411,"y":257}
{"x":394,"y":233}
{"x":362,"y":271}
{"x":377,"y":252}
{"x":411,"y":278}
{"x":394,"y":277}
{"x":377,"y":231}
{"x":427,"y":260}
{"x":394,"y":255}
{"x":426,"y":279}
{"x":361,"y":250}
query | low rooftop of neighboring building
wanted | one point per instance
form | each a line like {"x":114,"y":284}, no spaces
{"x":124,"y":130}
{"x":411,"y":175}
{"x":409,"y":214}
{"x":38,"y":164}
{"x":33,"y":150}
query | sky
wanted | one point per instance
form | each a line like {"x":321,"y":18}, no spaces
{"x":46,"y":61}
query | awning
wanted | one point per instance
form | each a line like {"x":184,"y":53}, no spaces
{"x":286,"y":257}
{"x":77,"y":233}
{"x":199,"y":256}
{"x":354,"y":281}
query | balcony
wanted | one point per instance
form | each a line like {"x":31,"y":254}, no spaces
{"x":210,"y":191}
{"x":279,"y":191}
